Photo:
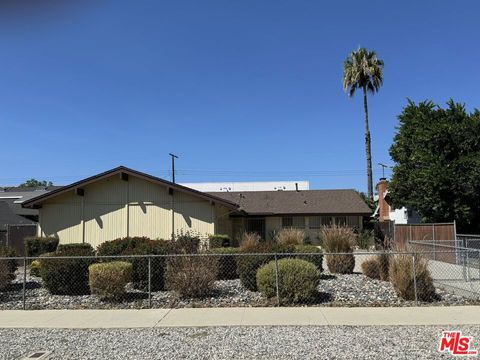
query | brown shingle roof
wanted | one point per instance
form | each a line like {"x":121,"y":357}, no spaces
{"x":332,"y":202}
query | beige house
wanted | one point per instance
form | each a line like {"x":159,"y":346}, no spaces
{"x":123,"y":202}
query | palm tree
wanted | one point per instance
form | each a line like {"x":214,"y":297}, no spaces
{"x":363,"y":70}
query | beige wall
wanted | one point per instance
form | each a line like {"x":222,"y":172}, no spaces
{"x":113,"y":208}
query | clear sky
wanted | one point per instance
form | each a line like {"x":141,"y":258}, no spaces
{"x":240,"y":90}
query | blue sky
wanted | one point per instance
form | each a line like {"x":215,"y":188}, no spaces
{"x":240,"y":90}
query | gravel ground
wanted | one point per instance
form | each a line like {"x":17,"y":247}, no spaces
{"x":344,"y":342}
{"x":334,"y":290}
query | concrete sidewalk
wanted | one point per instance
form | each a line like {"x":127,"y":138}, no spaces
{"x":295,"y":316}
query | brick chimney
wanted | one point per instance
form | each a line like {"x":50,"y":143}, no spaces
{"x":383,"y":207}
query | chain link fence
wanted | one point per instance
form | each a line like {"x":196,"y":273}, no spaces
{"x":440,"y":277}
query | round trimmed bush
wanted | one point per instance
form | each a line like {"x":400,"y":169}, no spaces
{"x":108,"y":280}
{"x":297,"y":280}
{"x":67,"y":276}
{"x":227,"y":262}
{"x":37,"y":245}
{"x":316,"y":258}
{"x":248,"y":265}
{"x":35,"y":268}
{"x":140,"y":246}
{"x":218,"y":241}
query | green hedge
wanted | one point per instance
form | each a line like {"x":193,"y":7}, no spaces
{"x":108,"y":280}
{"x":140,"y":246}
{"x":227,"y":263}
{"x":219,"y":241}
{"x":36,"y":246}
{"x":248,"y":265}
{"x":67,"y":276}
{"x":297,"y":280}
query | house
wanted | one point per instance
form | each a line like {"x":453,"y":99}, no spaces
{"x":385,"y":212}
{"x":268,"y":212}
{"x":124,"y":202}
{"x":15,"y":195}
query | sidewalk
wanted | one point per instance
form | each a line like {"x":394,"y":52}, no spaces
{"x":298,"y":316}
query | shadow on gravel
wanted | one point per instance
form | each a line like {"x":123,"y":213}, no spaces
{"x":327,"y":277}
{"x":30,"y":285}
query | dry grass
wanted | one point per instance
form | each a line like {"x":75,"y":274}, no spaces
{"x":249,"y":240}
{"x":290,"y":236}
{"x":371,"y":268}
{"x":339,"y":239}
{"x":401,"y":276}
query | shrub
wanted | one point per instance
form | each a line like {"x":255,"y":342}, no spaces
{"x":108,"y":280}
{"x":185,"y":243}
{"x":316,"y":259}
{"x":8,"y":267}
{"x":218,"y":241}
{"x":140,"y":246}
{"x":9,"y":252}
{"x":67,"y":276}
{"x":227,"y":263}
{"x":337,"y":239}
{"x":248,"y":265}
{"x":371,"y":268}
{"x":290,"y":236}
{"x":365,"y":239}
{"x":297,"y":280}
{"x":35,"y":268}
{"x":191,"y":276}
{"x":35,"y":245}
{"x":384,"y":265}
{"x":401,"y":276}
{"x":249,"y":241}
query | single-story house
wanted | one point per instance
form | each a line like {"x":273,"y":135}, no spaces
{"x":268,"y":212}
{"x":124,"y":202}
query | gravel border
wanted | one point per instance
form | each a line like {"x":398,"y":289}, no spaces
{"x":307,"y":342}
{"x":334,"y":290}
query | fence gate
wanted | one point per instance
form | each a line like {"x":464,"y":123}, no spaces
{"x":15,"y":235}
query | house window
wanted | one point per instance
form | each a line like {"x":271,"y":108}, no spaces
{"x":317,"y":222}
{"x":340,"y":220}
{"x":353,"y":221}
{"x":297,"y":222}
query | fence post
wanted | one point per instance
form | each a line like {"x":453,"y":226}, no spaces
{"x":276,"y":281}
{"x":150,"y":282}
{"x":415,"y":279}
{"x":468,"y":266}
{"x":24,"y":281}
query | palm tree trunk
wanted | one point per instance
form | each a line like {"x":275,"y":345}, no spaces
{"x":368,"y":146}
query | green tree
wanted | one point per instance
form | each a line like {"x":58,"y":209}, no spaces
{"x":36,"y":183}
{"x":437,"y":163}
{"x":363,"y":70}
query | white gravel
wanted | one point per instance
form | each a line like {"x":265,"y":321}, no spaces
{"x":344,"y":342}
{"x":334,"y":290}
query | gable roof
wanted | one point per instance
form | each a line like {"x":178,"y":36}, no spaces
{"x":31,"y":203}
{"x":331,"y":202}
{"x":8,"y":217}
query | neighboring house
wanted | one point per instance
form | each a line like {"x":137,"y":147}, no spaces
{"x":15,"y":195}
{"x":249,"y":186}
{"x":124,"y":202}
{"x":268,"y":212}
{"x":384,"y":211}
{"x":8,"y":217}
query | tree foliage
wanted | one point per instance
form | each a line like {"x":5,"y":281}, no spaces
{"x":363,"y":70}
{"x":36,"y":183}
{"x":437,"y":163}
